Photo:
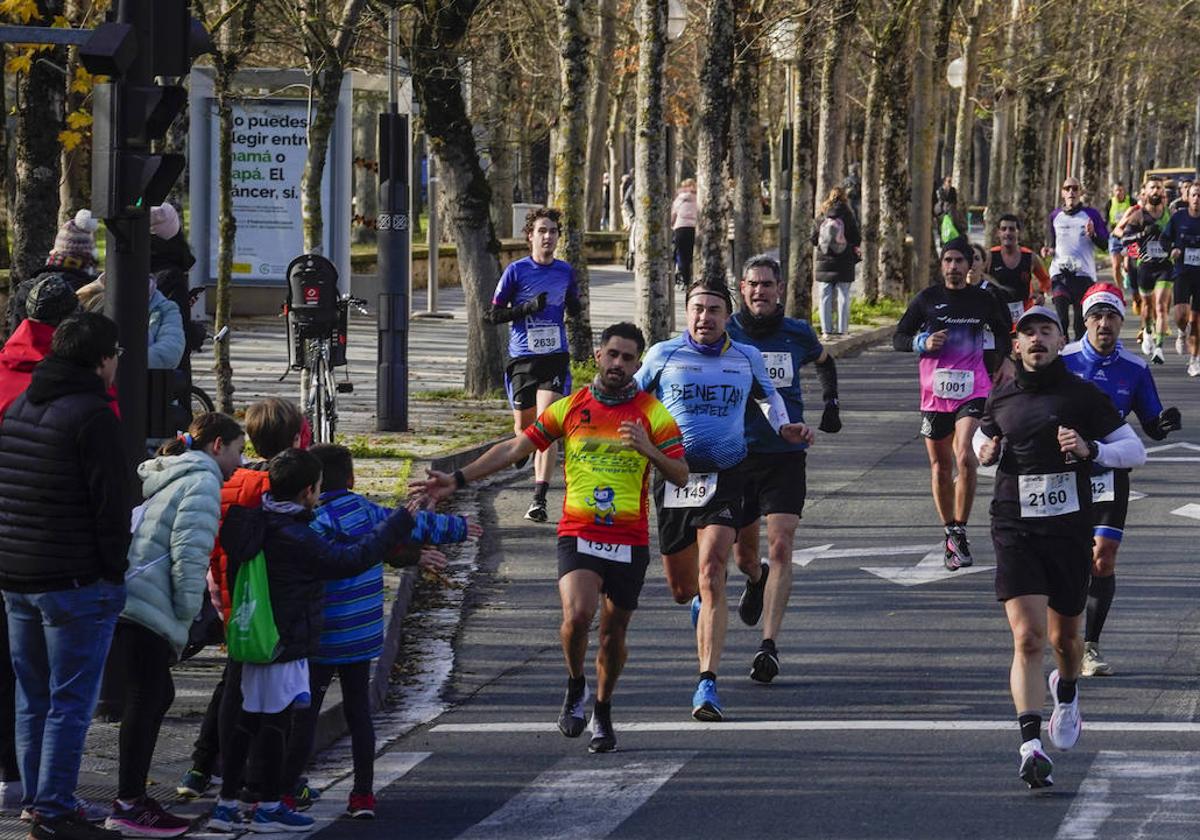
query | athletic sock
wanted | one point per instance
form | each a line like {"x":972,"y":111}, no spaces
{"x":708,"y":675}
{"x":575,"y":685}
{"x":1066,"y":690}
{"x":602,"y":709}
{"x":767,"y":644}
{"x":539,"y":490}
{"x":1031,"y":726}
{"x":1100,"y":598}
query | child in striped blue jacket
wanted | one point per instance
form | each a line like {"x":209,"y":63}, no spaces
{"x":354,"y":621}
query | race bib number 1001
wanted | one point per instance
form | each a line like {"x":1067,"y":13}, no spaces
{"x":700,"y":488}
{"x":605,"y":551}
{"x":779,"y":368}
{"x":1049,"y":494}
{"x":544,"y":339}
{"x":949,"y":384}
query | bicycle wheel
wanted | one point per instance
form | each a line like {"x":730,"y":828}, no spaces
{"x":201,"y":402}
{"x":308,"y":387}
{"x":330,"y":416}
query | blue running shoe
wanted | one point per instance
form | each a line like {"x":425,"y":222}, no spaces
{"x":279,"y":819}
{"x":695,"y":610}
{"x":706,"y":706}
{"x":226,"y":818}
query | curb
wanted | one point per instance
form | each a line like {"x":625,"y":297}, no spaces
{"x":855,"y":343}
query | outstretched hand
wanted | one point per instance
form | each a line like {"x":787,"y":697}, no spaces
{"x":436,"y":487}
{"x":796,"y":433}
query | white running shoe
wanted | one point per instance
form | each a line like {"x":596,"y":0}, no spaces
{"x":1157,"y":356}
{"x":1193,"y":368}
{"x":1147,"y":341}
{"x":1093,"y":662}
{"x":1036,"y":766}
{"x":1065,"y":722}
{"x":1180,"y":343}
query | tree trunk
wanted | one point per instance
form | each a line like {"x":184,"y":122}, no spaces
{"x":651,"y":273}
{"x":894,"y":266}
{"x":872,"y":175}
{"x":613,"y":140}
{"x":75,"y":189}
{"x":712,"y":142}
{"x":437,"y":83}
{"x":923,"y":147}
{"x":799,"y":269}
{"x":571,"y":160}
{"x":747,"y":142}
{"x":366,"y":141}
{"x":5,"y":180}
{"x":599,"y":97}
{"x":226,"y":234}
{"x":964,"y":127}
{"x":831,"y":132}
{"x":1030,"y":159}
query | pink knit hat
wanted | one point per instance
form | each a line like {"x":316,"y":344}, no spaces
{"x":164,"y":221}
{"x":75,"y":244}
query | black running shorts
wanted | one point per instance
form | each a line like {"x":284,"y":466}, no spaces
{"x":677,"y":525}
{"x":936,"y":425}
{"x":1150,"y":275}
{"x":529,"y":374}
{"x":621,"y":579}
{"x":1071,"y":286}
{"x":1058,"y":565}
{"x":1187,"y":290}
{"x":775,"y":483}
{"x":1109,"y":516}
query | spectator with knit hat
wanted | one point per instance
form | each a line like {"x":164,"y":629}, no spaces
{"x":74,"y":256}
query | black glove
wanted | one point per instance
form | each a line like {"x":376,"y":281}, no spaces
{"x":1170,"y":420}
{"x":831,"y":418}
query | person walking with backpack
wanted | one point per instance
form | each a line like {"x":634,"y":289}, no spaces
{"x":837,"y":239}
{"x":168,"y":561}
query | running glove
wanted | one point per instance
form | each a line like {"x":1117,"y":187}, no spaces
{"x":1170,"y":420}
{"x":831,"y":418}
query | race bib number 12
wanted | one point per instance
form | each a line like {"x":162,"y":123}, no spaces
{"x":696,"y":493}
{"x":1102,"y":487}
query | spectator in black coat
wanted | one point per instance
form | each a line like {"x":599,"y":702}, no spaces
{"x":837,"y":238}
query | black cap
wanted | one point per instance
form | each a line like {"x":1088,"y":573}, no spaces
{"x":51,"y":300}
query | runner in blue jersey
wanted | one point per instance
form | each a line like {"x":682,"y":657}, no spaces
{"x":1182,"y":239}
{"x":706,"y":381}
{"x":1075,"y":232}
{"x":534,"y":294}
{"x":775,"y":469}
{"x":1125,"y":377}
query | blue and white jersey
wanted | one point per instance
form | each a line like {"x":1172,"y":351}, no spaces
{"x":521,"y":282}
{"x":784,"y":352}
{"x":707,"y":395}
{"x":1124,"y":376}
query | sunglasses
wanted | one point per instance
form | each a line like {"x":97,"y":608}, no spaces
{"x":1070,"y":188}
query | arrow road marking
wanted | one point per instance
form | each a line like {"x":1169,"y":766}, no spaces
{"x":1136,"y":794}
{"x":804,"y":556}
{"x":1154,"y":453}
{"x":930,"y":569}
{"x":1191,"y":510}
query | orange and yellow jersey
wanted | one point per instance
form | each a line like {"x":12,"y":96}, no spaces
{"x":606,"y":499}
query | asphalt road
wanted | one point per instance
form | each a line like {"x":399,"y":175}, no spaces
{"x":891,"y":717}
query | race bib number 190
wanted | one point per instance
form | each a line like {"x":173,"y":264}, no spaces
{"x":1049,"y":494}
{"x":696,"y":493}
{"x":779,"y":368}
{"x":544,"y":339}
{"x":949,"y":384}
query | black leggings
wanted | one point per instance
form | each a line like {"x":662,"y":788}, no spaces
{"x":685,"y":244}
{"x":268,"y":734}
{"x":355,"y":678}
{"x":144,"y":659}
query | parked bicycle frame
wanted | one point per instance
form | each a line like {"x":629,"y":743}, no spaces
{"x":317,"y":321}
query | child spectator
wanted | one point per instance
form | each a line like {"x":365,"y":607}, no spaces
{"x":298,"y":562}
{"x":168,"y":559}
{"x":353,"y":630}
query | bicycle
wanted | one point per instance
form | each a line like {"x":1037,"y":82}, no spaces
{"x":318,"y":386}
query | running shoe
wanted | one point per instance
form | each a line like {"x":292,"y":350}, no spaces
{"x":303,"y":798}
{"x":537,"y":511}
{"x":277,"y":820}
{"x":765,"y":666}
{"x":1180,"y":343}
{"x":1065,"y":722}
{"x":145,"y":818}
{"x":226,"y":818}
{"x":958,"y":550}
{"x":69,"y":827}
{"x":1157,"y":356}
{"x":695,"y":610}
{"x":750,"y":606}
{"x":706,"y":706}
{"x":1036,"y":766}
{"x":193,"y":784}
{"x":572,"y":720}
{"x":93,"y":812}
{"x":1193,"y":368}
{"x":603,"y":738}
{"x":1147,"y":339}
{"x":1093,"y":662}
{"x":361,"y":807}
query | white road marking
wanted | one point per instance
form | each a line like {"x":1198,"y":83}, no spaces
{"x":1090,"y":726}
{"x":1191,"y":510}
{"x":389,"y":767}
{"x":1136,"y":794}
{"x":1155,"y":453}
{"x":581,"y":798}
{"x":804,"y":556}
{"x":930,"y":569}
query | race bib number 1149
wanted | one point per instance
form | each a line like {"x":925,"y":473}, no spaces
{"x":696,"y":493}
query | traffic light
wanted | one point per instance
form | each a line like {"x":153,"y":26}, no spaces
{"x":151,"y":39}
{"x":168,"y":403}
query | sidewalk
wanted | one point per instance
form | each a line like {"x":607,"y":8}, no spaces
{"x":448,"y":431}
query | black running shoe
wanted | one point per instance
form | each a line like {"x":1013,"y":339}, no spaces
{"x":958,"y":550}
{"x":603,"y":737}
{"x":573,"y":719}
{"x":537,"y":511}
{"x":750,"y":606}
{"x":765,"y":666}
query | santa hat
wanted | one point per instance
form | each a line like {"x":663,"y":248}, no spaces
{"x":75,"y":244}
{"x":1104,"y":294}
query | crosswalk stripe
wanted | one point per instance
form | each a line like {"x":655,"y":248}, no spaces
{"x":582,"y":798}
{"x":1136,"y":794}
{"x":1181,"y":727}
{"x":389,"y":767}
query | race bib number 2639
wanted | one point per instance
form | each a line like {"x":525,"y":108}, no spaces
{"x":544,"y":339}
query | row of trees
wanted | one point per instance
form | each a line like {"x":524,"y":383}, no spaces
{"x":856,"y":89}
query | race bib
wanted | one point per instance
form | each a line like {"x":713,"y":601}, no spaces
{"x":1015,"y":311}
{"x":989,"y":340}
{"x":1155,"y":250}
{"x":950,"y":384}
{"x":1191,"y":256}
{"x":605,"y":551}
{"x":1049,"y":494}
{"x":546,"y":338}
{"x":1103,"y":489}
{"x":779,"y":368}
{"x":696,"y":493}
